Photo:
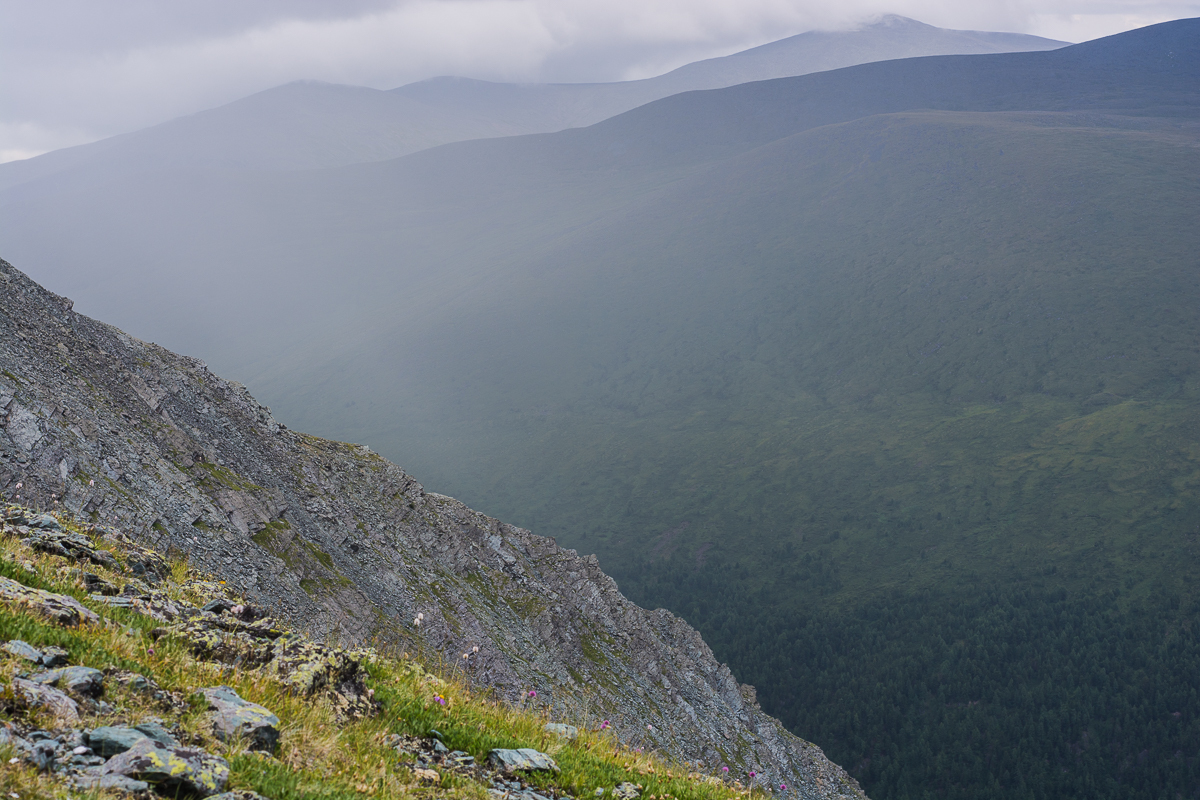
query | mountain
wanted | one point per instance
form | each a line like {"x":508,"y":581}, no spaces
{"x":892,"y":37}
{"x":134,"y":644}
{"x":309,"y":124}
{"x":883,"y":377}
{"x":343,"y":544}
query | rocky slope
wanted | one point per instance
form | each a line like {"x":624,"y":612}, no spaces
{"x":336,"y":540}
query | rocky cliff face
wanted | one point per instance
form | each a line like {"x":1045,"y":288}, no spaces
{"x":344,"y":544}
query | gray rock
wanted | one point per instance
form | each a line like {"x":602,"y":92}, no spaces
{"x":242,"y":795}
{"x":24,"y":650}
{"x":234,"y":718}
{"x":171,"y":769}
{"x":64,"y":709}
{"x":53,"y":657}
{"x":438,"y":747}
{"x":118,"y":782}
{"x":93,"y":583}
{"x":42,"y":755}
{"x":55,"y":607}
{"x":108,"y":741}
{"x":76,"y":680}
{"x":46,"y":522}
{"x":157,"y":731}
{"x":561,"y":730}
{"x":217,"y":606}
{"x":627,"y":791}
{"x":525,"y":759}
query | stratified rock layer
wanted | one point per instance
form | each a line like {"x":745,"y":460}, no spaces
{"x":339,"y":542}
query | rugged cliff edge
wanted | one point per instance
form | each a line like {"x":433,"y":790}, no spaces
{"x":342,"y":543}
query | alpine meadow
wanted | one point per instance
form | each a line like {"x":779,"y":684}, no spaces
{"x":885,"y":378}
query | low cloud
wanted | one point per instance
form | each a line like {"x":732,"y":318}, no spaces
{"x":69,"y":73}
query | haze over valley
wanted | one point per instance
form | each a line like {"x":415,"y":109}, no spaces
{"x":873,"y":354}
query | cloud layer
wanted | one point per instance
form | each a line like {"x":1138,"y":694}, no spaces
{"x":74,"y":70}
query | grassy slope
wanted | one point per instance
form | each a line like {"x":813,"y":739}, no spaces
{"x":319,"y":756}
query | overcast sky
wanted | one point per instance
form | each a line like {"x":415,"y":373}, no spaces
{"x":73,"y":71}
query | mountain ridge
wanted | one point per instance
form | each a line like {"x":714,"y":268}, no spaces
{"x":311,"y":124}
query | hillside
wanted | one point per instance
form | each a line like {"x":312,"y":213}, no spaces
{"x":308,"y":124}
{"x":883,"y":377}
{"x":343,"y":545}
{"x":131,"y":658}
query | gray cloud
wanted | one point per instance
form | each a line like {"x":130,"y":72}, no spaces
{"x":74,"y":70}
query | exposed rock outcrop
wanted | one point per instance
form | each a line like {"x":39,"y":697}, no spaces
{"x":339,"y":542}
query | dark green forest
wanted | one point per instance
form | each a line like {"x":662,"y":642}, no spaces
{"x":1000,"y":692}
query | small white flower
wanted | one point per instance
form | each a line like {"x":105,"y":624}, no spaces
{"x":92,"y":482}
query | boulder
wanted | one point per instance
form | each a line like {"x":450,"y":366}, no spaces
{"x":24,"y":650}
{"x":108,"y":741}
{"x":155,"y":730}
{"x":42,"y":755}
{"x":627,"y":791}
{"x":234,"y":718}
{"x":119,"y":783}
{"x":560,"y":730}
{"x":210,"y":640}
{"x":76,"y":680}
{"x":45,"y":521}
{"x":39,"y":695}
{"x":525,"y":759}
{"x":94,"y":584}
{"x":171,"y":770}
{"x":53,"y":657}
{"x":218,"y":606}
{"x":55,"y":607}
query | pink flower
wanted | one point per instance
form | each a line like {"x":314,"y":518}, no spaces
{"x":783,"y":787}
{"x":724,"y":769}
{"x":532,"y":693}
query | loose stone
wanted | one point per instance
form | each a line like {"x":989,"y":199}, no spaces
{"x":524,"y":759}
{"x":235,"y":718}
{"x":171,"y":769}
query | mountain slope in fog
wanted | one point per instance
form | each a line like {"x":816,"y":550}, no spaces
{"x":789,"y":356}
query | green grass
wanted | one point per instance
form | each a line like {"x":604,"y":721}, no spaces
{"x":319,"y":755}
